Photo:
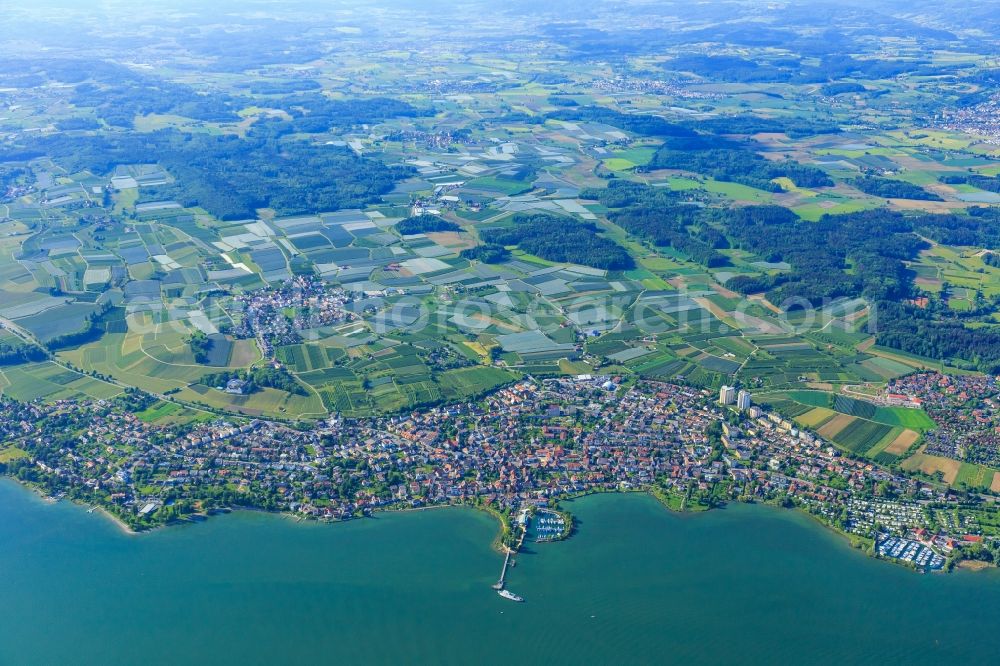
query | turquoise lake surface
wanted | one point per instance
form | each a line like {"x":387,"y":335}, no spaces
{"x":635,"y":584}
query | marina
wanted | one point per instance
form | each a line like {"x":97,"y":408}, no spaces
{"x":911,"y":551}
{"x":548,"y":526}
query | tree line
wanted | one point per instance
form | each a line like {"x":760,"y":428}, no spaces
{"x":94,"y":327}
{"x":14,"y":354}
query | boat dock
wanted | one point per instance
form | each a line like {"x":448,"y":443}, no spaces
{"x":499,"y":585}
{"x":503,"y":572}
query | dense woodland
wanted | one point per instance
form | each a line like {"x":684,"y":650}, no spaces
{"x":117,"y":94}
{"x":988,"y":183}
{"x":872,"y":244}
{"x":557,"y":238}
{"x":747,"y":123}
{"x":489,"y":253}
{"x":920,"y":331}
{"x":13,"y":354}
{"x":888,"y":188}
{"x":659,"y":217}
{"x":980,"y":228}
{"x":831,"y":67}
{"x":841,"y":88}
{"x":863,"y":254}
{"x":231,"y":177}
{"x":729,"y":161}
{"x":118,"y":103}
{"x":422,"y":224}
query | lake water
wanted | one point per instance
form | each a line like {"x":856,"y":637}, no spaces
{"x":636,"y":584}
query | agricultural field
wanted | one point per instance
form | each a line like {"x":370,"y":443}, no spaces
{"x":930,"y":465}
{"x":160,"y":412}
{"x":827,"y":404}
{"x":903,"y":416}
{"x":49,"y":381}
{"x":860,"y":436}
{"x":119,"y":265}
{"x":814,"y":417}
{"x":902,"y":443}
{"x":882,"y":434}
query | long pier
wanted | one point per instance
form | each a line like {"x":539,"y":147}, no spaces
{"x":506,"y":560}
{"x":503,"y":572}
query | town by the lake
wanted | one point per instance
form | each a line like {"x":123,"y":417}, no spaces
{"x":516,"y":453}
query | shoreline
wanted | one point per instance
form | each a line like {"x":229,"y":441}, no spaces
{"x":975,"y":566}
{"x":855,"y":542}
{"x":48,"y":500}
{"x":122,"y":525}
